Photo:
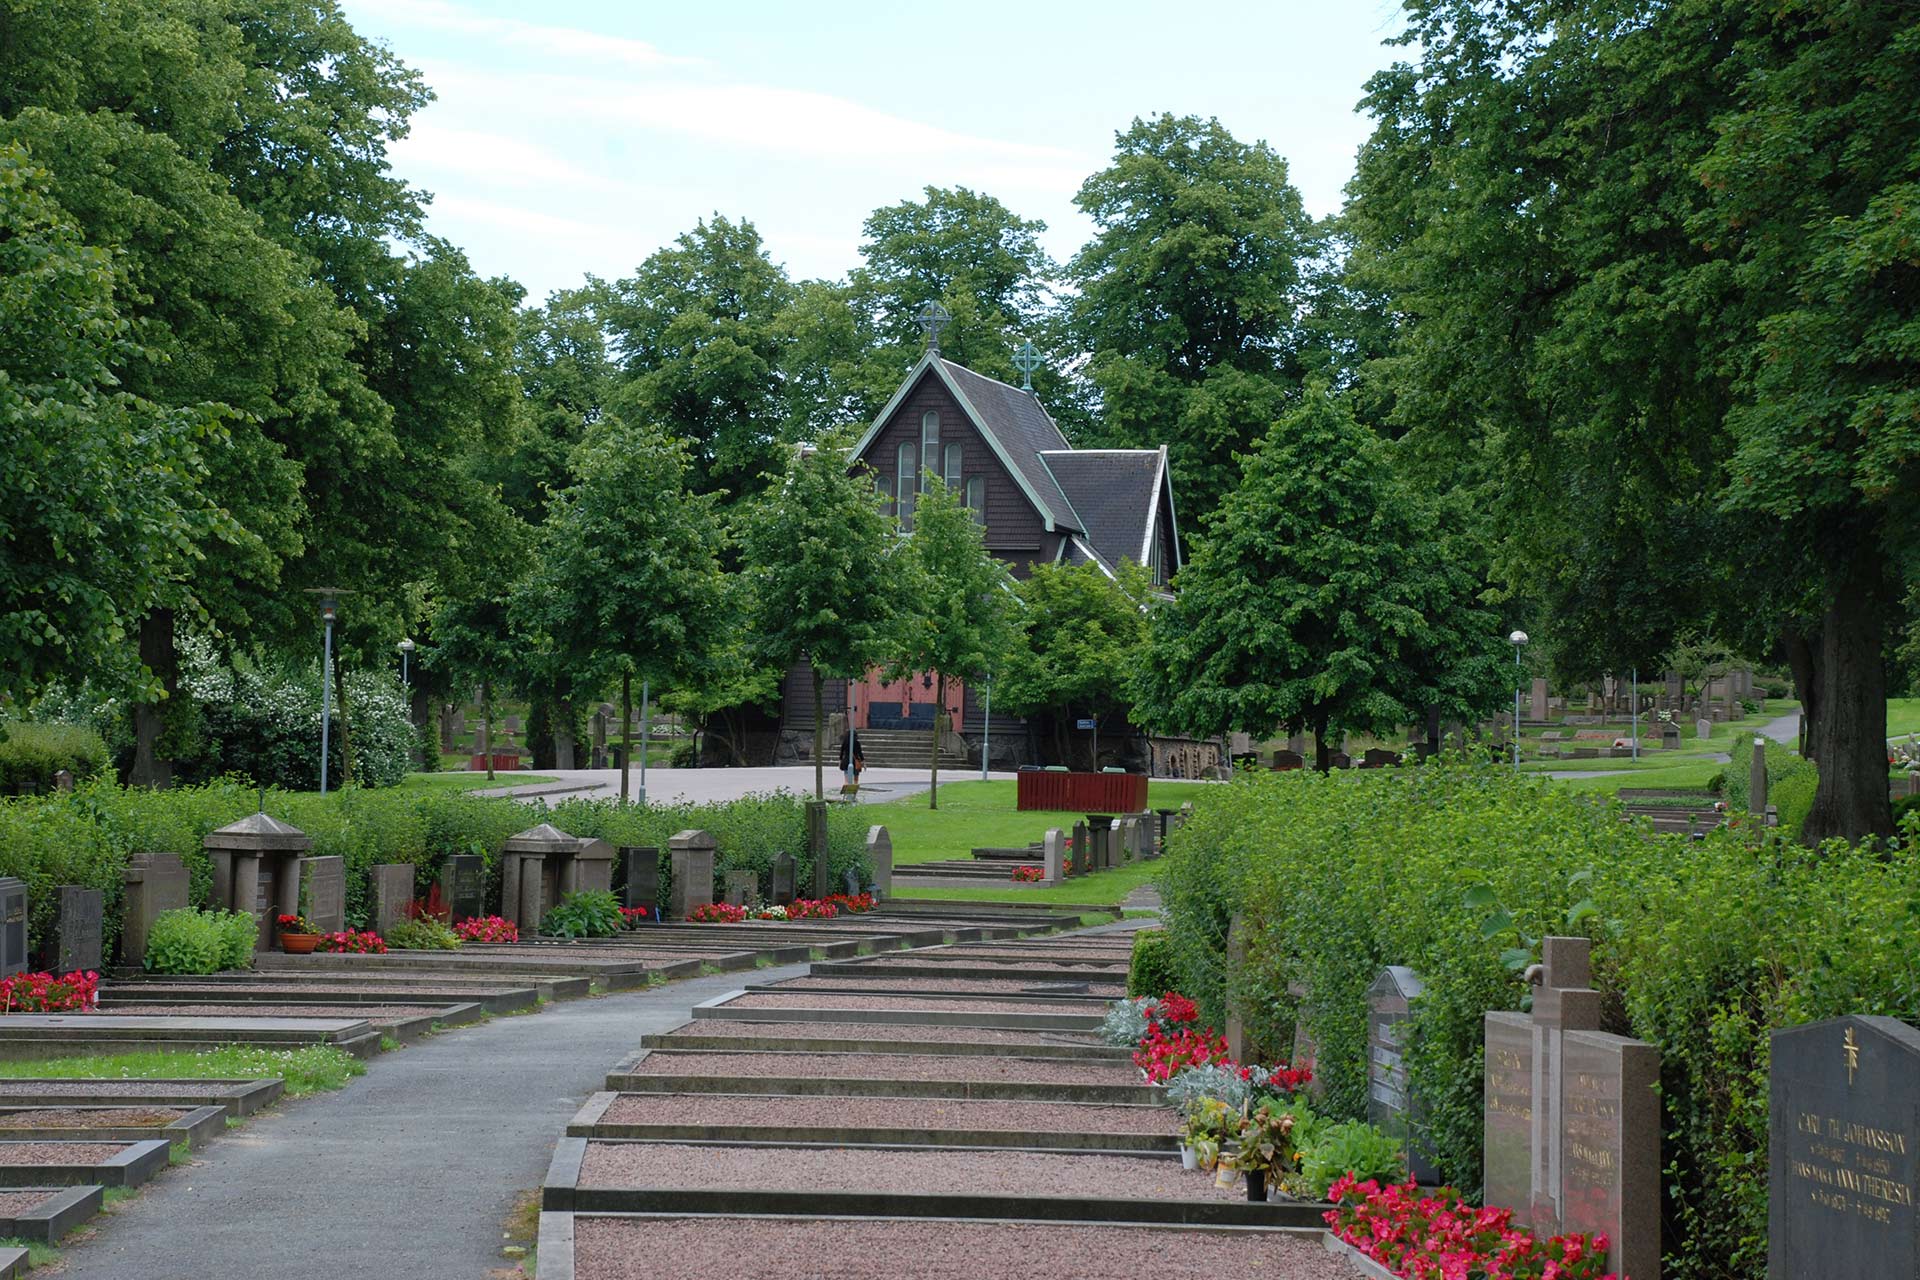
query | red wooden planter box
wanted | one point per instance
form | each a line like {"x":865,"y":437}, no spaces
{"x":508,"y":762}
{"x":1083,"y":792}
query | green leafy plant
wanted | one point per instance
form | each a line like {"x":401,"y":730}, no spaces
{"x":189,"y":941}
{"x":590,"y":913}
{"x":30,"y":754}
{"x":423,"y":934}
{"x":1150,"y":971}
{"x":1354,"y":1147}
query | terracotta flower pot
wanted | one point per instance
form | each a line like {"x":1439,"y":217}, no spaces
{"x":299,"y":944}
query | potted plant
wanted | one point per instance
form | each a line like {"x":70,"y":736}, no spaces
{"x":1208,"y":1123}
{"x":298,"y":936}
{"x":1265,"y":1149}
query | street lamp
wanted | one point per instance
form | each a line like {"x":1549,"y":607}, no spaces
{"x":406,"y":651}
{"x":1519,"y":641}
{"x":329,"y":610}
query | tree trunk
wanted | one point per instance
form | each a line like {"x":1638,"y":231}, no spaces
{"x":157,"y":651}
{"x":1805,"y":666}
{"x":1431,"y":747}
{"x":939,"y":719}
{"x":420,"y":712}
{"x":562,"y":725}
{"x":626,"y":732}
{"x":819,"y":736}
{"x":1322,"y":756}
{"x":340,"y":700}
{"x":486,"y":726}
{"x":1852,"y":800}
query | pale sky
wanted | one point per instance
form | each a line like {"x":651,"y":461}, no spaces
{"x":578,"y":136}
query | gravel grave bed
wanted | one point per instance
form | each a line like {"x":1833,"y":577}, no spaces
{"x":888,"y":1066}
{"x":1009,"y":953}
{"x":877,"y":1031}
{"x":888,"y":1113}
{"x":15,"y":1203}
{"x":75,"y":1118}
{"x":1022,"y":1173}
{"x":853,"y":1000}
{"x":238,"y":989}
{"x":894,"y":959}
{"x":766,"y":1249}
{"x":27,"y":1153}
{"x":16,"y":1085}
{"x":370,"y":1012}
{"x":983,"y":986}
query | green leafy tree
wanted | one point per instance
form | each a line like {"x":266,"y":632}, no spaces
{"x":564,"y":371}
{"x":1318,"y":600}
{"x":820,"y":558}
{"x":1187,"y":295}
{"x":1077,"y":629}
{"x":961,"y":624}
{"x":473,"y":641}
{"x":629,"y":582}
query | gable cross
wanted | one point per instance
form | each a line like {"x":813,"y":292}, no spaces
{"x":934,"y":318}
{"x":1026,"y":358}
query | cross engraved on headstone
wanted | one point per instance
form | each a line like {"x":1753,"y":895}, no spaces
{"x":1026,"y":358}
{"x":933,"y":318}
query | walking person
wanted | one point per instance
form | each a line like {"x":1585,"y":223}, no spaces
{"x":851,"y":761}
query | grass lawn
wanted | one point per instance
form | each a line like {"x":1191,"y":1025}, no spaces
{"x":1903,"y":716}
{"x":470,"y":781}
{"x":1685,"y":776}
{"x":981,"y":814}
{"x":1101,"y":889}
{"x":316,"y":1069}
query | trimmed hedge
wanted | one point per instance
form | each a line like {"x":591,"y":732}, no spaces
{"x":30,"y":754}
{"x":1791,"y":782}
{"x":1457,"y":870}
{"x":85,"y":838}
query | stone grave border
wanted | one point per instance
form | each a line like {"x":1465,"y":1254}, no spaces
{"x":626,"y":1078}
{"x":244,"y":1097}
{"x":197,"y":1128}
{"x":833,"y":969}
{"x":46,"y":1223}
{"x":939,"y":1048}
{"x":131,"y":1167}
{"x":90,"y":1033}
{"x":719,"y":1009}
{"x":128,"y":997}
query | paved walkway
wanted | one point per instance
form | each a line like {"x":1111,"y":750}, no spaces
{"x":408,"y":1171}
{"x":705,"y":786}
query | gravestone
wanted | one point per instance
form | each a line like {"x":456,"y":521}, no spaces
{"x":1379,"y":758}
{"x":463,"y":885}
{"x":740,"y":887}
{"x":1081,"y":852}
{"x":77,"y":932}
{"x":256,"y":869}
{"x":1703,"y":728}
{"x":1843,"y":1150}
{"x":643,"y":876}
{"x":880,"y":857}
{"x":850,"y":882}
{"x":1287,"y":759}
{"x":1100,"y":828}
{"x":783,"y":878}
{"x":324,"y":890}
{"x":1669,"y":736}
{"x":1391,"y":1103}
{"x":63,"y":782}
{"x":13,"y":926}
{"x":1340,"y":760}
{"x":1757,"y":777}
{"x":1053,"y":855}
{"x":1537,"y":703}
{"x":155,"y":882}
{"x":392,"y":891}
{"x":817,"y":847}
{"x":1572,"y":1128}
{"x":1236,"y":962}
{"x":692,"y":857}
{"x":1306,"y":1045}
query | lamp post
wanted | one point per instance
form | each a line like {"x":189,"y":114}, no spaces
{"x":1519,"y":641}
{"x":986,"y":733}
{"x":329,"y":610}
{"x":406,"y":651}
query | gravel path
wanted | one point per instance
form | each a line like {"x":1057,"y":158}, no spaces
{"x":831,"y":1000}
{"x":767,"y":1249}
{"x":887,"y":1066}
{"x":984,"y":986}
{"x":662,"y":1164}
{"x":14,"y":1203}
{"x":89,"y":1118}
{"x":33,"y":1153}
{"x":878,"y":1031}
{"x":888,"y":1113}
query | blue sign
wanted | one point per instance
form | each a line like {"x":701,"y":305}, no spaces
{"x":1086,"y":724}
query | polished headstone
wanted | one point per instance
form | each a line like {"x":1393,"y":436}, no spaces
{"x":13,"y":926}
{"x":642,"y":863}
{"x":783,"y":878}
{"x":325,"y":893}
{"x":77,"y":940}
{"x":463,"y":885}
{"x":1391,"y":1104}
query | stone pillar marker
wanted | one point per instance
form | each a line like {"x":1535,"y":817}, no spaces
{"x":392,"y":891}
{"x":1757,"y":778}
{"x":13,"y":926}
{"x":818,"y":847}
{"x":155,"y":882}
{"x":323,"y":889}
{"x":1236,"y":961}
{"x":256,"y":869}
{"x":1537,"y":704}
{"x":692,"y":855}
{"x":880,"y":854}
{"x":1079,"y":858}
{"x":1054,"y":849}
{"x":1100,"y":826}
{"x":1572,"y":1117}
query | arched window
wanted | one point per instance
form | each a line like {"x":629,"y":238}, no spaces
{"x":977,"y":497}
{"x":929,"y":443}
{"x":904,"y":483}
{"x":950,"y":472}
{"x":883,"y":486}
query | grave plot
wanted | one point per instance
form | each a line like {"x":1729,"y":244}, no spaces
{"x":235,"y":1098}
{"x":873,"y":982}
{"x":375,"y":984}
{"x":606,"y":973}
{"x":404,"y":1022}
{"x":856,"y":1037}
{"x":909,"y":967}
{"x":44,"y":1214}
{"x":76,"y":1164}
{"x":195,"y":1126}
{"x":628,"y":1247}
{"x":881,"y":1074}
{"x":773,"y":1005}
{"x":130,"y":997}
{"x":49,"y":1035}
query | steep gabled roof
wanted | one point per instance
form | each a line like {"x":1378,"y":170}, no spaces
{"x":1120,"y":489}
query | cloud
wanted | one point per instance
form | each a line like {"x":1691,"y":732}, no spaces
{"x":501,"y":160}
{"x":567,"y":42}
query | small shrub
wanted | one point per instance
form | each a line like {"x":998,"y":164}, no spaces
{"x":684,"y":757}
{"x":590,"y":913}
{"x":1353,"y":1147}
{"x":189,"y":941}
{"x":1151,"y":968}
{"x":487,"y":929}
{"x":30,"y":754}
{"x":422,"y":934}
{"x":358,"y":942}
{"x":1126,"y":1022}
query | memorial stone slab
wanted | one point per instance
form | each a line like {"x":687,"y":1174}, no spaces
{"x":463,"y":885}
{"x":1844,"y":1150}
{"x":324,"y":891}
{"x":850,"y":882}
{"x":155,"y":882}
{"x":880,"y":857}
{"x":740,"y":887}
{"x":1537,"y":703}
{"x":642,"y":864}
{"x":1703,"y":728}
{"x":1082,"y":851}
{"x":691,"y":853}
{"x":63,"y":782}
{"x":1053,"y":855}
{"x":1391,"y":1103}
{"x":77,"y":942}
{"x":13,"y":926}
{"x":392,"y":891}
{"x":783,"y":878}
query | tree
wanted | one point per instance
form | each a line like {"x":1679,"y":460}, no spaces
{"x":472,"y":641}
{"x":824,"y":576}
{"x":101,"y":490}
{"x":695,"y":331}
{"x":1318,"y":599}
{"x":960,"y":624}
{"x":1077,"y":629}
{"x":1187,"y":295}
{"x":629,"y":580}
{"x":563,"y":370}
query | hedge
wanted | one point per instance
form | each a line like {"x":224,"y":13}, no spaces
{"x":85,"y":838}
{"x":1457,"y":870}
{"x":1791,"y":782}
{"x":30,"y":754}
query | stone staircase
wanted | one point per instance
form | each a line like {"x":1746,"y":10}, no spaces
{"x":902,"y":749}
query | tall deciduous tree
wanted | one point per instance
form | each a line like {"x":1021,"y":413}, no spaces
{"x":473,"y":641}
{"x":821,"y":560}
{"x":1187,"y":294}
{"x":1079,"y":633}
{"x":1319,"y":600}
{"x":960,"y":625}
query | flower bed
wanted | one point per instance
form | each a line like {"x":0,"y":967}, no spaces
{"x":716,"y":913}
{"x":1029,"y":875}
{"x":76,"y":992}
{"x":811,"y":909}
{"x":853,"y":904}
{"x":1440,"y":1236}
{"x":363,"y":942}
{"x":487,"y":929}
{"x":633,"y":917}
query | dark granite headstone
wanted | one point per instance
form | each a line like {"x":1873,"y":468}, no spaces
{"x":692,"y":854}
{"x":1391,"y":1105}
{"x":1077,"y":857}
{"x":463,"y":885}
{"x":13,"y":926}
{"x":392,"y":891}
{"x":850,"y":882}
{"x":77,"y":944}
{"x":783,"y":878}
{"x":741,"y":886}
{"x":1843,"y":1122}
{"x":642,"y":863}
{"x":326,"y":893}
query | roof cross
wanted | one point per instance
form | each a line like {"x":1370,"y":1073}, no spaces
{"x":1026,"y":358}
{"x":933,"y":318}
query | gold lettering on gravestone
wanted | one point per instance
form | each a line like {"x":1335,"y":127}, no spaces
{"x":1851,"y":1048}
{"x":1846,"y":1168}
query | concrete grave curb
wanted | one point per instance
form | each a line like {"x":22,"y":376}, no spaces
{"x":129,"y":1168}
{"x":247,"y":1097}
{"x":196,"y":1128}
{"x":46,"y":1223}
